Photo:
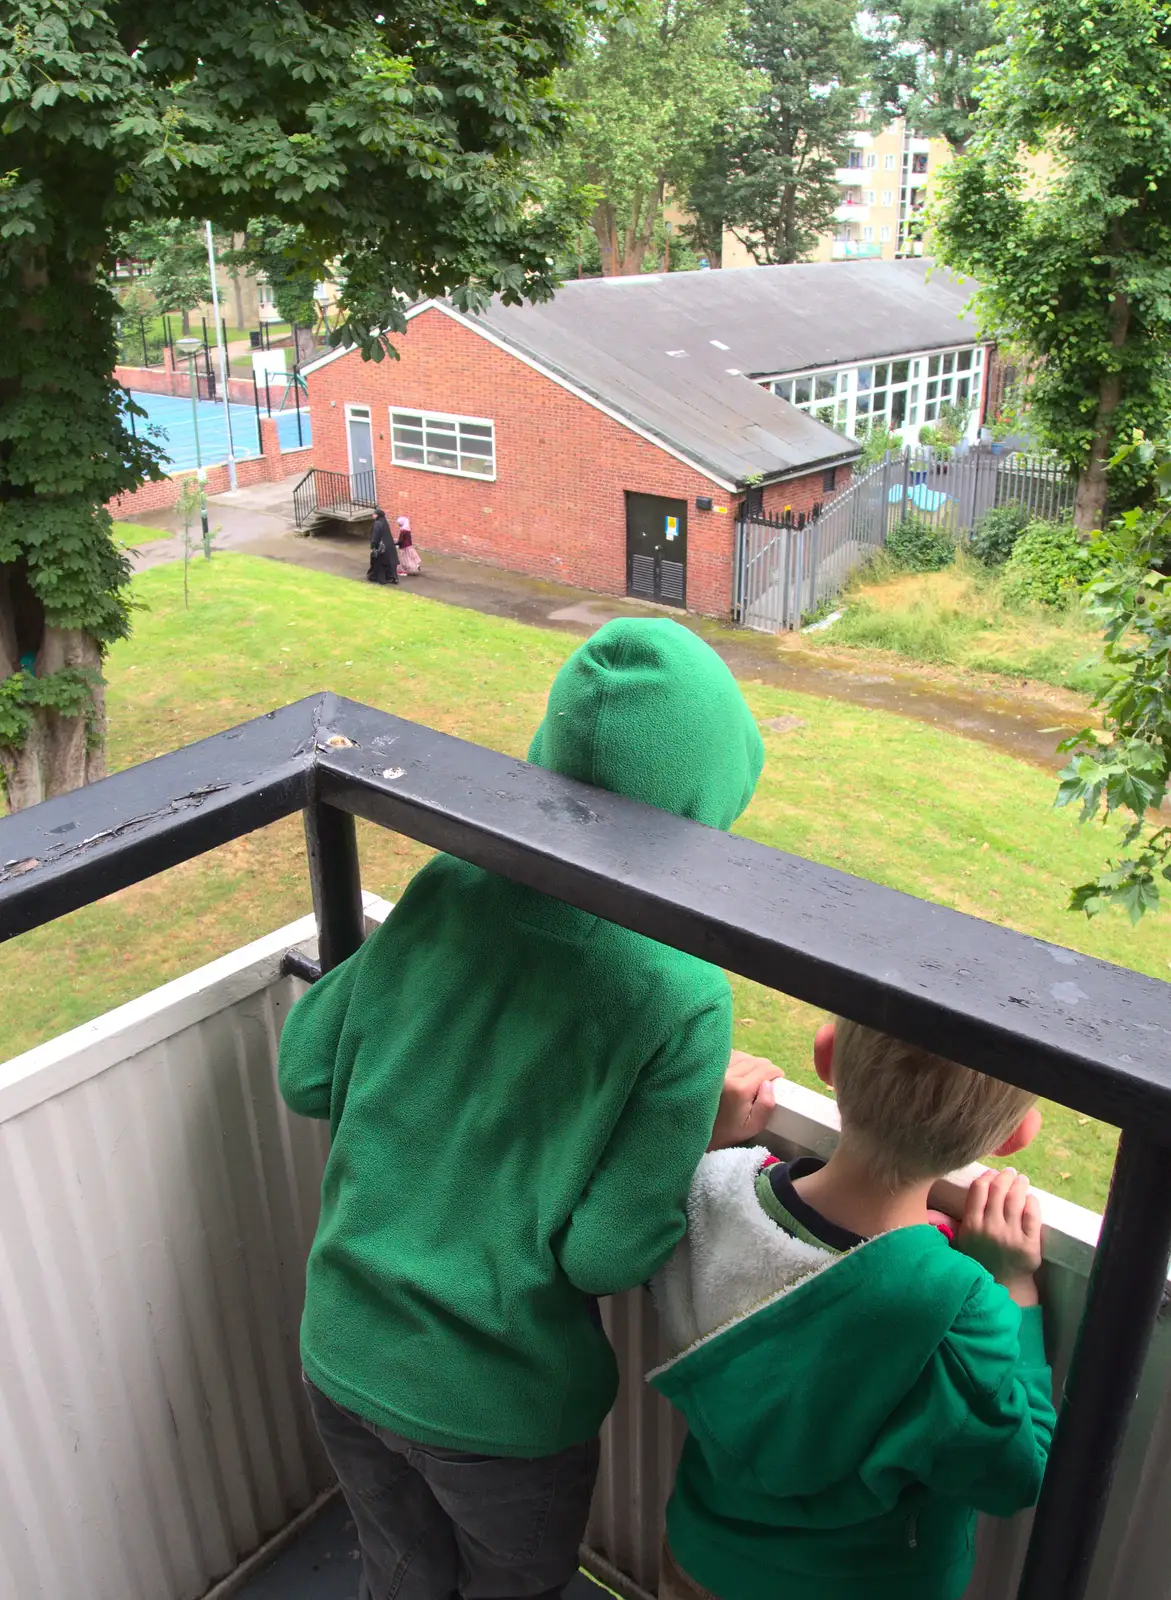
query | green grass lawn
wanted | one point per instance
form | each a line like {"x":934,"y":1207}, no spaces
{"x":956,"y":618}
{"x":875,"y":794}
{"x":131,"y":534}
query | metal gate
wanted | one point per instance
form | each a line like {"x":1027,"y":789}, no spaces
{"x":786,"y":567}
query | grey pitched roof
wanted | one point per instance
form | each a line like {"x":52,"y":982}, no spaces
{"x":721,"y":420}
{"x":675,"y":353}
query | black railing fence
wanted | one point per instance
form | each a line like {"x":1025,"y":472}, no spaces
{"x":321,"y":491}
{"x":1077,"y":1030}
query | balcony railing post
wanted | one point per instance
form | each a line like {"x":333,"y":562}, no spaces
{"x":332,"y":842}
{"x":1125,"y":1291}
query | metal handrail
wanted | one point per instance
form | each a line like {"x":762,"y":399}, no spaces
{"x":1090,"y":1035}
{"x":320,"y":490}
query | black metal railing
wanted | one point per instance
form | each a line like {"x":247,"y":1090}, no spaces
{"x":321,"y":491}
{"x":1076,"y":1030}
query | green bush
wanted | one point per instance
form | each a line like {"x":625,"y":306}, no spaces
{"x":998,"y":531}
{"x":917,"y":545}
{"x":876,"y":439}
{"x":1049,"y":564}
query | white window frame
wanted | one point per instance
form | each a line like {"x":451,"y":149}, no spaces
{"x":920,"y":404}
{"x":447,"y":418}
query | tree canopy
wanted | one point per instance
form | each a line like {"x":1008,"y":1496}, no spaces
{"x":175,"y":254}
{"x":648,"y":89}
{"x":926,"y":62}
{"x":781,"y":190}
{"x":394,"y":138}
{"x":1075,"y":265}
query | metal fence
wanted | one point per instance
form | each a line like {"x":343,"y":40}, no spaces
{"x":786,"y":567}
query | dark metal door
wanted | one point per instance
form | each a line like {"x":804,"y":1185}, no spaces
{"x":656,"y":548}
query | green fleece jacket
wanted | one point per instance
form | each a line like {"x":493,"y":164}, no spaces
{"x":518,"y":1092}
{"x":848,"y":1414}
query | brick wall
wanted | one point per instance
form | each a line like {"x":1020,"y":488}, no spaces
{"x":176,"y":381}
{"x":800,"y":495}
{"x":270,"y":467}
{"x":557,"y":508}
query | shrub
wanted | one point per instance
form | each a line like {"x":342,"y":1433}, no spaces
{"x":1049,"y":564}
{"x":917,"y":545}
{"x":998,"y":531}
{"x":877,"y":439}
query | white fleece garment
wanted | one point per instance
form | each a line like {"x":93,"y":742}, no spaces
{"x":733,"y":1259}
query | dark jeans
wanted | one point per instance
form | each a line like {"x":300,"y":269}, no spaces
{"x":435,"y":1524}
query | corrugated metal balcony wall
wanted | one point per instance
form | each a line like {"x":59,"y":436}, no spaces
{"x":158,"y":1205}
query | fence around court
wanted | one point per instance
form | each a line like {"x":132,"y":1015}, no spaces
{"x":787,"y":566}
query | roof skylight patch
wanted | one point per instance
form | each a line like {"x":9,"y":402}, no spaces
{"x":719,"y":344}
{"x":676,"y":352}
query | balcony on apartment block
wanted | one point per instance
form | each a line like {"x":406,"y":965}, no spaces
{"x":158,"y":1200}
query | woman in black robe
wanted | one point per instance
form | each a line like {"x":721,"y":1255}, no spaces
{"x":383,"y":554}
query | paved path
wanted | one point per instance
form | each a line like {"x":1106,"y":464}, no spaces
{"x":1023,"y":723}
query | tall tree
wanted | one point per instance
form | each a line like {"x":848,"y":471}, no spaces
{"x":394,"y":136}
{"x":282,"y":254}
{"x":648,"y":90}
{"x":781,"y":187}
{"x":1075,"y":269}
{"x":177,"y":270}
{"x":926,"y":62}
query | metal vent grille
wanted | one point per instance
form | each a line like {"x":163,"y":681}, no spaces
{"x":642,"y":575}
{"x":672,"y":580}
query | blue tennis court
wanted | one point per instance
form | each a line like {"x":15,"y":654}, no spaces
{"x":171,"y":416}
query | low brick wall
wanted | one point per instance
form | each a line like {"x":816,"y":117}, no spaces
{"x":176,"y":382}
{"x":270,"y":467}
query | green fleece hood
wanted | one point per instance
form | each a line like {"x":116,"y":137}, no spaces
{"x":646,"y":709}
{"x":847,"y":1415}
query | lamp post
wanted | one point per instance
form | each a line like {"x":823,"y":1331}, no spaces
{"x":187,"y":349}
{"x":223,"y":357}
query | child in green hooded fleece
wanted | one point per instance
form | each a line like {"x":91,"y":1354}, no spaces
{"x":518,"y":1094}
{"x":856,"y":1388}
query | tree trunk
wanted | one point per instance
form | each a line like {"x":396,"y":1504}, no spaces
{"x":186,"y":316}
{"x":606,"y":233}
{"x":58,"y":755}
{"x":637,"y":240}
{"x":1089,"y":504}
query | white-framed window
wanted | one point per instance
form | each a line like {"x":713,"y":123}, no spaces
{"x":903,"y":393}
{"x":867,"y":235}
{"x":888,"y":163}
{"x":869,"y":194}
{"x":871,"y":159}
{"x":888,"y":197}
{"x":433,"y":441}
{"x":884,"y":234}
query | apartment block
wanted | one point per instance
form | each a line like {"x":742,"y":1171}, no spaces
{"x":883,"y":187}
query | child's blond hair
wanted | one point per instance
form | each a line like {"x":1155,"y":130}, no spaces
{"x":913,"y":1115}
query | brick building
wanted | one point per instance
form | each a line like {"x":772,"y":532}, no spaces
{"x":549,"y":440}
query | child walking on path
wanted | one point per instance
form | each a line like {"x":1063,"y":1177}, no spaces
{"x":856,"y":1388}
{"x":518,"y":1094}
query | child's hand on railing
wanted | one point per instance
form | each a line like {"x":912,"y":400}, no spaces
{"x":747,"y":1100}
{"x":1001,"y":1229}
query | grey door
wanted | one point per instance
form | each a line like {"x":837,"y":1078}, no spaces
{"x":361,"y":451}
{"x":656,"y":548}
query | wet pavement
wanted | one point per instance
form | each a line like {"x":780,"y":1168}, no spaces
{"x":1025,"y":721}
